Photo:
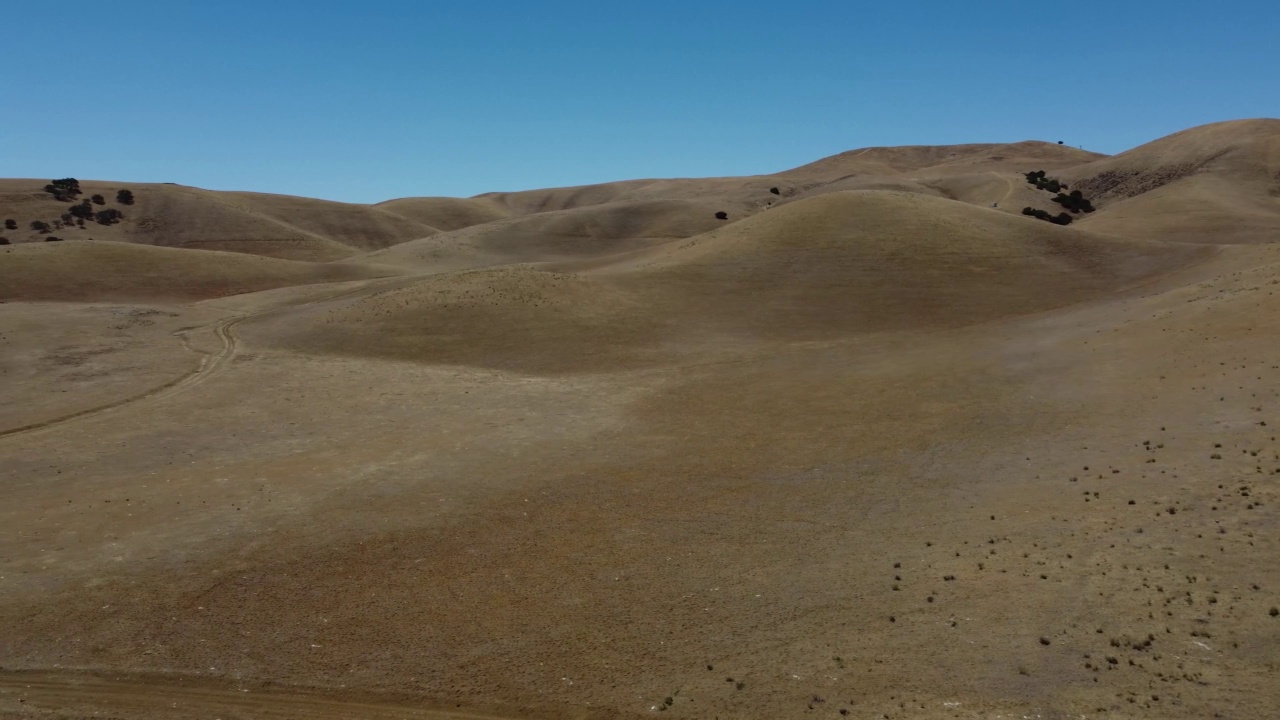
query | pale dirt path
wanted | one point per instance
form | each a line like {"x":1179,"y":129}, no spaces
{"x":210,"y":365}
{"x":1008,"y":186}
{"x":65,"y":694}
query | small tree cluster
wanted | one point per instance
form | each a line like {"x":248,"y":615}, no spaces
{"x":11,"y":224}
{"x":4,"y":241}
{"x":1076,"y":202}
{"x":1059,"y":219}
{"x":40,"y":226}
{"x":124,"y":197}
{"x":1038,"y":179}
{"x":99,"y":200}
{"x":83,"y":211}
{"x":110,"y":216}
{"x":66,"y":189}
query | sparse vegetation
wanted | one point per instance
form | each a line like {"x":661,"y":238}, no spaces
{"x":110,"y":216}
{"x":66,"y":189}
{"x":1059,"y":219}
{"x":124,"y":197}
{"x":11,"y":224}
{"x":1076,"y":202}
{"x":98,"y":200}
{"x":40,"y":226}
{"x":83,"y":211}
{"x":53,"y":238}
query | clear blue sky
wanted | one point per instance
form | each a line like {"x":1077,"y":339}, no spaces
{"x":366,"y":101}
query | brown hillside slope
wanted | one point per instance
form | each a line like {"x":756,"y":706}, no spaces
{"x":446,"y":213}
{"x":1216,"y":183}
{"x":99,"y":270}
{"x":580,"y":233}
{"x":178,"y":216}
{"x":818,"y":269}
{"x":935,"y":160}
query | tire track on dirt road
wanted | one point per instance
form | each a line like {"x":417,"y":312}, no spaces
{"x":210,"y":365}
{"x":86,"y":694}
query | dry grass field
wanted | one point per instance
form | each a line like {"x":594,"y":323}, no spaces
{"x":875,"y":444}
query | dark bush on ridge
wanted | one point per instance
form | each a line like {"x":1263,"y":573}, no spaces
{"x":125,"y":197}
{"x":65,"y":189}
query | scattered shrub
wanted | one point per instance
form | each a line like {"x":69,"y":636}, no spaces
{"x":775,"y":191}
{"x":1038,"y":179}
{"x":110,"y":216}
{"x":84,"y":211}
{"x":722,"y":215}
{"x":99,"y":200}
{"x":125,"y":197}
{"x":1061,"y":219}
{"x":4,"y":241}
{"x":53,"y":238}
{"x":65,"y":189}
{"x":11,"y":224}
{"x":1076,"y":202}
{"x":40,"y":226}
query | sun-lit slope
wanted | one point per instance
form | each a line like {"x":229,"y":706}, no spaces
{"x":936,"y":160}
{"x":446,"y":213}
{"x":361,"y":227}
{"x":833,"y":266}
{"x":1216,"y":183}
{"x":100,"y":270}
{"x":868,"y":261}
{"x":581,"y":233}
{"x":752,"y":191}
{"x":179,"y":216}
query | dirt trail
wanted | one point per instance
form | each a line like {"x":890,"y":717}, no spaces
{"x":73,"y":694}
{"x":1008,"y":186}
{"x":210,"y":365}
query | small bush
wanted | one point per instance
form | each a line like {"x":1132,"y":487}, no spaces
{"x":1035,"y":176}
{"x":124,"y":197}
{"x":84,"y":211}
{"x":4,"y":241}
{"x":775,"y":191}
{"x":99,"y":200}
{"x":40,"y":226}
{"x":1062,"y":219}
{"x":11,"y":224}
{"x":1076,"y":202}
{"x":53,"y":238}
{"x":110,"y":216}
{"x":722,"y":215}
